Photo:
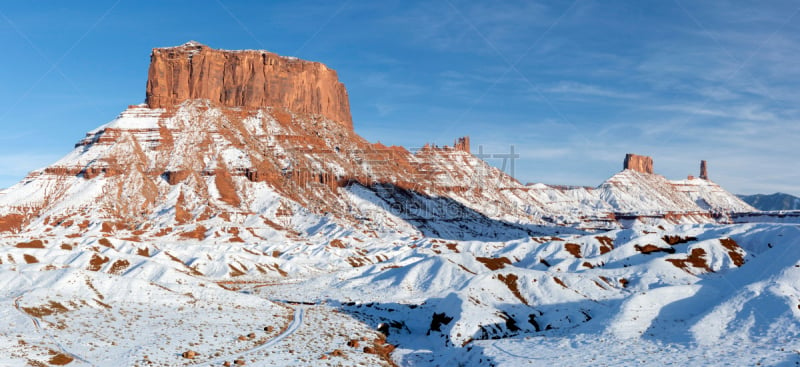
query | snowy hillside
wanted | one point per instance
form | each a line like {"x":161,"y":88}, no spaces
{"x":227,"y":229}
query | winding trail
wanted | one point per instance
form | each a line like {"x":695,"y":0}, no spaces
{"x":297,"y":321}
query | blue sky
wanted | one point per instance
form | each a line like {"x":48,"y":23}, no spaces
{"x":573,"y":85}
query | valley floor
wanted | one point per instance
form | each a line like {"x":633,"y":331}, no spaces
{"x":681,"y":295}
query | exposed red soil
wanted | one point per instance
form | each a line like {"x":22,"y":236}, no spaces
{"x":453,"y":247}
{"x":191,"y":270}
{"x":226,"y":186}
{"x":164,"y":232}
{"x":606,"y":244}
{"x":382,"y":349}
{"x":182,"y":215}
{"x":199,"y":233}
{"x":251,"y":252}
{"x":107,"y":227}
{"x":235,"y":272}
{"x":574,"y":249}
{"x":510,"y":280}
{"x":357,"y":262}
{"x":60,"y":359}
{"x":560,"y":282}
{"x":102,"y":304}
{"x":105,"y":242}
{"x":337,"y":243}
{"x":279,"y":270}
{"x":494,"y":263}
{"x":11,"y":222}
{"x":650,"y":248}
{"x":30,"y":259}
{"x":464,"y":268}
{"x":695,"y":259}
{"x":676,"y":240}
{"x":119,"y":266}
{"x":143,"y":252}
{"x":52,"y":307}
{"x":735,"y":252}
{"x":97,"y":262}
{"x":31,"y":244}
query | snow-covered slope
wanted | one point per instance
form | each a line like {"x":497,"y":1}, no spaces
{"x":730,"y":289}
{"x":205,"y":232}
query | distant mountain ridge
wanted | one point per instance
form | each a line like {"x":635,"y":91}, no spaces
{"x":776,"y":201}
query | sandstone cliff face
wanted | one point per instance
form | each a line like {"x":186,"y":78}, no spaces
{"x":638,"y":163}
{"x":250,"y":79}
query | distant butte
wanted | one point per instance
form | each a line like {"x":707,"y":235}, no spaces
{"x":249,"y":78}
{"x":638,"y":163}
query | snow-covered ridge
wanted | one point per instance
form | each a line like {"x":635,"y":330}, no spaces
{"x":148,"y":155}
{"x":136,"y":117}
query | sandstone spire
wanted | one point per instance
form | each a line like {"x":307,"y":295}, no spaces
{"x":703,"y":170}
{"x":639,"y":163}
{"x":247,"y":78}
{"x":462,"y":144}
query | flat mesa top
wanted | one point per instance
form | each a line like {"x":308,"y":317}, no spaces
{"x":193,"y":47}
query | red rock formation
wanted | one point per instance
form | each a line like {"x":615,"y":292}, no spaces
{"x":703,"y":170}
{"x":245,"y":79}
{"x":462,"y":144}
{"x":639,"y":163}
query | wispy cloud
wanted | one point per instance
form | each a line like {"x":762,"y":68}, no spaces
{"x":576,"y":89}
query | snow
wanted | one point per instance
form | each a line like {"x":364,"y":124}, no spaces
{"x":137,"y":117}
{"x":518,"y":275}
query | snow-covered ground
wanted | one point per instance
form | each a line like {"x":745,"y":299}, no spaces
{"x":653,"y":295}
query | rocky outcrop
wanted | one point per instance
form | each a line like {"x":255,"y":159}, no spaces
{"x":462,"y":144}
{"x":638,"y":163}
{"x":703,"y":170}
{"x":247,"y":78}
